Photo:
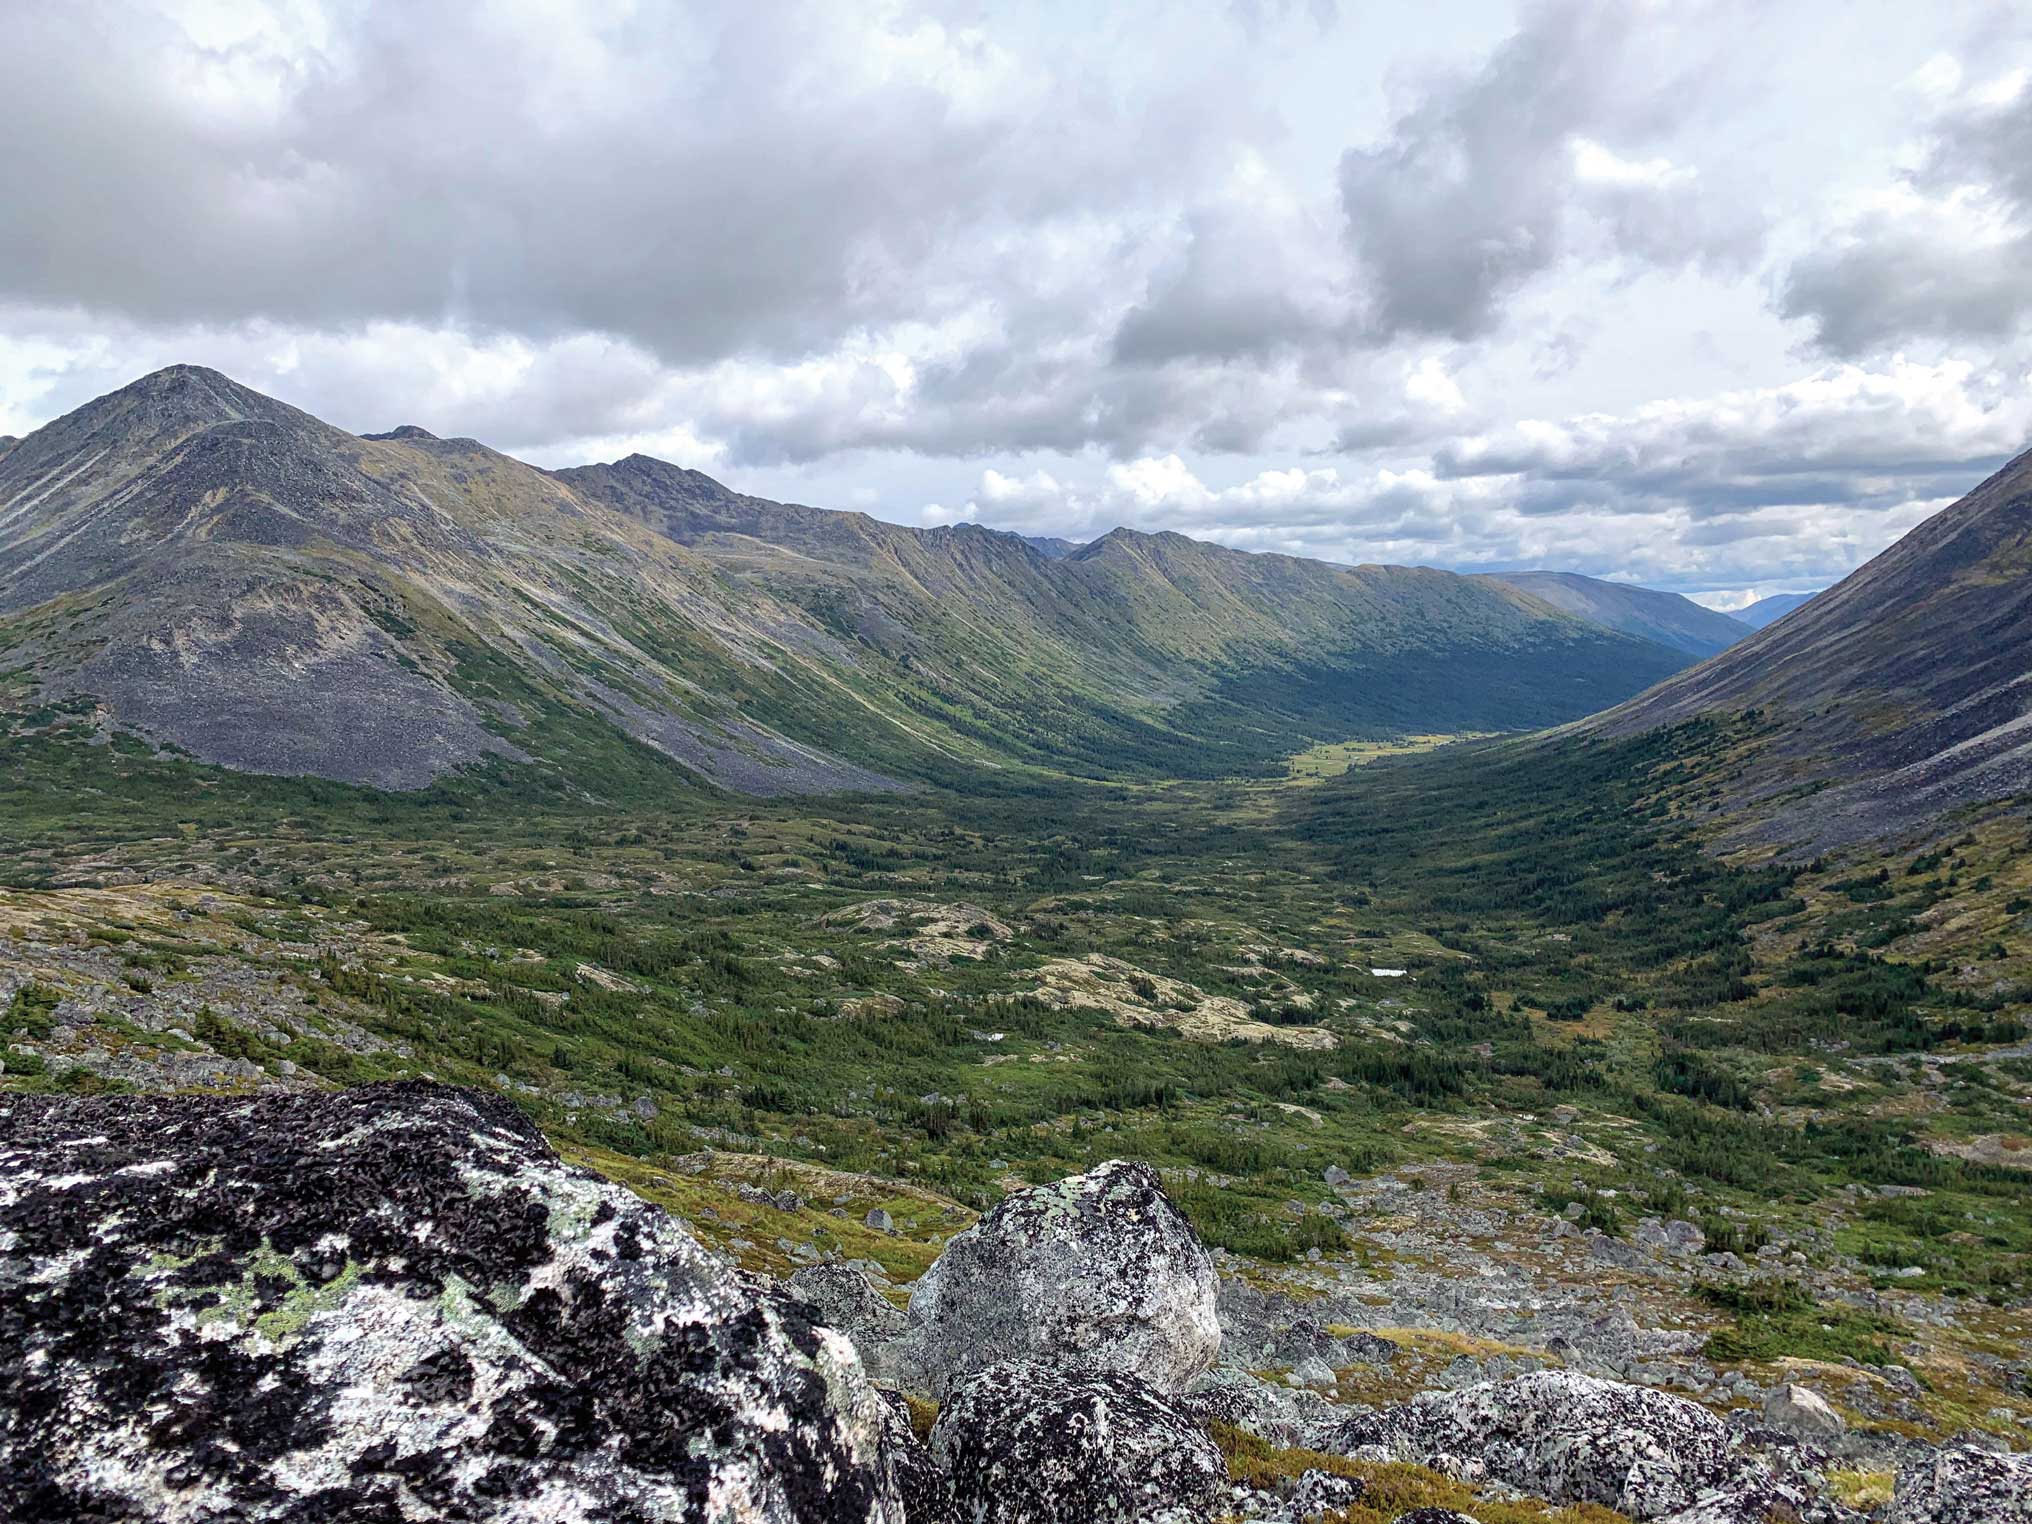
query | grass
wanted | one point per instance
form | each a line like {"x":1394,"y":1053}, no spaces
{"x":1390,"y":1490}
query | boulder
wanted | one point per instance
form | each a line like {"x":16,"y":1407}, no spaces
{"x":1100,"y":1270}
{"x":1286,"y":1418}
{"x":1323,"y":1492}
{"x":391,"y":1302}
{"x":1432,"y":1516}
{"x":1965,"y":1485}
{"x":840,"y":1297}
{"x":921,"y":1479}
{"x":1563,"y":1436}
{"x":1046,"y":1444}
{"x":1803,"y":1413}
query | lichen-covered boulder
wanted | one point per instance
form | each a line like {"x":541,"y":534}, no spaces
{"x":1564,"y":1436}
{"x":1432,"y":1516}
{"x":1100,"y":1270}
{"x":1048,"y":1444}
{"x":1284,"y":1416}
{"x":389,"y":1303}
{"x":1965,"y":1485}
{"x":921,"y":1479}
{"x":842,"y":1298}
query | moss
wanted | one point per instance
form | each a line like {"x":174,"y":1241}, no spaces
{"x":1862,"y":1489}
{"x":1391,"y":1489}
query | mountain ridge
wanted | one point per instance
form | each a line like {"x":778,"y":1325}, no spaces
{"x":220,"y":572}
{"x":1667,"y":618}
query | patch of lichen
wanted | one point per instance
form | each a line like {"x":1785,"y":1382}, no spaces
{"x":1390,"y":1489}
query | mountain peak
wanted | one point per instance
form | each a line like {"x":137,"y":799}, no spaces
{"x":404,"y":431}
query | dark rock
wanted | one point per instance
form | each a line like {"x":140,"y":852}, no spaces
{"x":1099,"y":1269}
{"x":391,"y":1302}
{"x":1965,"y":1486}
{"x":1048,"y":1444}
{"x":921,"y":1478}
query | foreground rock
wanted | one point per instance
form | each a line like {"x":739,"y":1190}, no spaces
{"x":1965,"y":1486}
{"x":1563,"y":1436}
{"x":1100,"y":1269}
{"x":1050,"y":1444}
{"x":393,"y":1302}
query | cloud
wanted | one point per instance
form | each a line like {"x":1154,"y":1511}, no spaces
{"x":1474,"y":190}
{"x":1944,"y":254}
{"x":1845,"y":434}
{"x":702,"y":181}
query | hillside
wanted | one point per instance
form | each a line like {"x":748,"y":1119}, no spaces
{"x":1769,"y":610}
{"x":190,"y":561}
{"x":1895,"y":699}
{"x":1644,"y":612}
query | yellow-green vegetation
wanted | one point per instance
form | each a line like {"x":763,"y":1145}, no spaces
{"x":1390,"y":1489}
{"x":703,"y":1191}
{"x":1332,"y":758}
{"x":1862,"y":1489}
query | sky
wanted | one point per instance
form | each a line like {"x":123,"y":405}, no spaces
{"x":1717,"y":296}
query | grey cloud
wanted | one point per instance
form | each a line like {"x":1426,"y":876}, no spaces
{"x":703,"y":180}
{"x":1933,"y":271}
{"x":1471,"y":194}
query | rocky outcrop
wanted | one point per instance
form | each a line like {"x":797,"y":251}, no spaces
{"x":1965,"y":1486}
{"x":1563,"y":1436}
{"x":393,"y":1302}
{"x":1100,"y":1269}
{"x":1045,"y":1444}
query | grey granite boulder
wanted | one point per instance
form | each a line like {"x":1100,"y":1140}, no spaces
{"x":1100,"y":1269}
{"x":1052,"y":1444}
{"x":1563,"y":1436}
{"x":1965,"y":1485}
{"x":391,"y":1302}
{"x":1803,"y":1413}
{"x":842,"y":1298}
{"x":1285,"y":1417}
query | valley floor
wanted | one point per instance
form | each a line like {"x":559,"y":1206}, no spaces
{"x":1475,"y":1051}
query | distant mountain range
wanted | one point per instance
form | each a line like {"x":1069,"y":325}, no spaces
{"x":205,"y":567}
{"x":1769,"y":610}
{"x":1895,"y":699}
{"x":1666,"y":618}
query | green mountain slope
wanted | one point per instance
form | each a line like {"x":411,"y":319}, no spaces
{"x":205,"y":567}
{"x":1666,"y":618}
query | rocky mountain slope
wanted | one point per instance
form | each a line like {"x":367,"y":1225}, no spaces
{"x":1769,"y":610}
{"x":1893,"y":700}
{"x":1666,"y":618}
{"x":193,"y":562}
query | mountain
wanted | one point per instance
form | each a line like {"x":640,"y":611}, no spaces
{"x":1051,"y":546}
{"x":1892,"y":700}
{"x":1641,"y":611}
{"x":1769,"y":610}
{"x":190,"y":562}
